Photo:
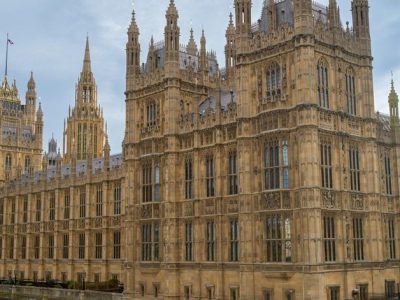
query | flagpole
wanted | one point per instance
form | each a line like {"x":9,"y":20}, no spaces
{"x":6,"y":55}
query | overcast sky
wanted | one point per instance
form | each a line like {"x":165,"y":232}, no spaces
{"x":49,"y":39}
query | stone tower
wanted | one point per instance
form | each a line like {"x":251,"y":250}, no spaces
{"x":84,"y":130}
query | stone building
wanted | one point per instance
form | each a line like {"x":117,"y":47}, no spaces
{"x":273,"y":178}
{"x":21,"y":134}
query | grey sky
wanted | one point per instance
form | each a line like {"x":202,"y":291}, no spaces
{"x":49,"y":38}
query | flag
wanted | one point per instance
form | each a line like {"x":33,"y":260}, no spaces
{"x":10,"y":42}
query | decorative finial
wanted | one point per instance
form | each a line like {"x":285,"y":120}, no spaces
{"x":231,"y":19}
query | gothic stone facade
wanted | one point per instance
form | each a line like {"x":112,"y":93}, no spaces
{"x":271,"y":179}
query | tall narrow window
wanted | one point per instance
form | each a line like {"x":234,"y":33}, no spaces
{"x":117,"y":245}
{"x":52,"y":207}
{"x":50,"y":245}
{"x":391,"y":238}
{"x":210,"y":235}
{"x":84,"y":141}
{"x":36,"y":247}
{"x":271,"y":166}
{"x":99,"y":201}
{"x":117,"y":198}
{"x":285,"y":163}
{"x":388,"y":174}
{"x":188,"y":179}
{"x":99,"y":245}
{"x":234,"y":293}
{"x":157,"y":196}
{"x":8,"y":162}
{"x":232,"y":174}
{"x":334,"y":293}
{"x":210,"y":176}
{"x":151,"y":114}
{"x":79,"y":154}
{"x":188,"y":241}
{"x":11,"y":247}
{"x":390,"y":289}
{"x":326,"y":165}
{"x":358,"y":239}
{"x":23,"y":247}
{"x":234,"y":240}
{"x":351,"y":92}
{"x":363,"y":288}
{"x":27,"y":164}
{"x":273,"y":82}
{"x":147,"y":186}
{"x":65,"y":249}
{"x":25,"y":210}
{"x":1,"y":211}
{"x":13,"y":211}
{"x":268,"y":294}
{"x":38,"y":207}
{"x":81,"y":246}
{"x":67,"y":205}
{"x":82,"y":203}
{"x":354,"y":169}
{"x":1,"y":247}
{"x":329,"y":238}
{"x":278,"y":238}
{"x":323,"y":84}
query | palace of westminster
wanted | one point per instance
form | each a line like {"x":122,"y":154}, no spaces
{"x":273,"y":178}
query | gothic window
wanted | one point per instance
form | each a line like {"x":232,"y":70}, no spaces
{"x":363,"y":288}
{"x":323,"y":84}
{"x":157,"y":183}
{"x":271,"y":166}
{"x":151,"y":114}
{"x":67,"y":203}
{"x":234,"y":294}
{"x":65,"y":249}
{"x":267,"y":294}
{"x":36,"y":247}
{"x":354,"y":169}
{"x":117,"y":245}
{"x":188,"y":241}
{"x":351,"y":92}
{"x":117,"y":198}
{"x":210,"y":238}
{"x":358,"y":239}
{"x":390,"y":289}
{"x":50,"y":245}
{"x":278,"y":238}
{"x":232,"y":173}
{"x":52,"y":208}
{"x":150,"y":242}
{"x":84,"y":141}
{"x":285,"y":162}
{"x":27,"y":164}
{"x":390,"y":238}
{"x":11,"y":247}
{"x":147,"y":183}
{"x":388,"y":174}
{"x":99,"y":201}
{"x":326,"y":165}
{"x":188,"y":179}
{"x":12,"y":211}
{"x":38,"y":208}
{"x":82,"y":203}
{"x":329,"y":238}
{"x":210,"y":192}
{"x":234,"y":240}
{"x":98,"y":245}
{"x":81,"y":245}
{"x":79,"y":149}
{"x":23,"y":247}
{"x":25,"y":210}
{"x":334,"y":293}
{"x":273,"y":75}
{"x":8,"y":162}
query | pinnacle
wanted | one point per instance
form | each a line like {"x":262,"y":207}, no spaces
{"x":86,"y":60}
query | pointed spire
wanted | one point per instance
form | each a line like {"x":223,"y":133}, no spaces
{"x":86,"y":60}
{"x":191,"y":46}
{"x":31,"y":82}
{"x":172,"y":11}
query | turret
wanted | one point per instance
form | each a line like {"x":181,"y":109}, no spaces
{"x":151,"y":57}
{"x":393,"y":107}
{"x":30,"y":98}
{"x":303,"y":17}
{"x":171,"y":35}
{"x":191,"y":47}
{"x":243,"y":17}
{"x":333,"y":15}
{"x":203,"y":63}
{"x":230,"y":50}
{"x":133,"y":49}
{"x":107,"y":151}
{"x":39,"y":126}
{"x":360,"y":12}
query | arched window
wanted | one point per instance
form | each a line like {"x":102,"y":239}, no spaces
{"x":273,"y":82}
{"x":8,"y":162}
{"x":27,"y":164}
{"x":351,"y":92}
{"x":157,"y":183}
{"x":323,"y":84}
{"x":151,"y":114}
